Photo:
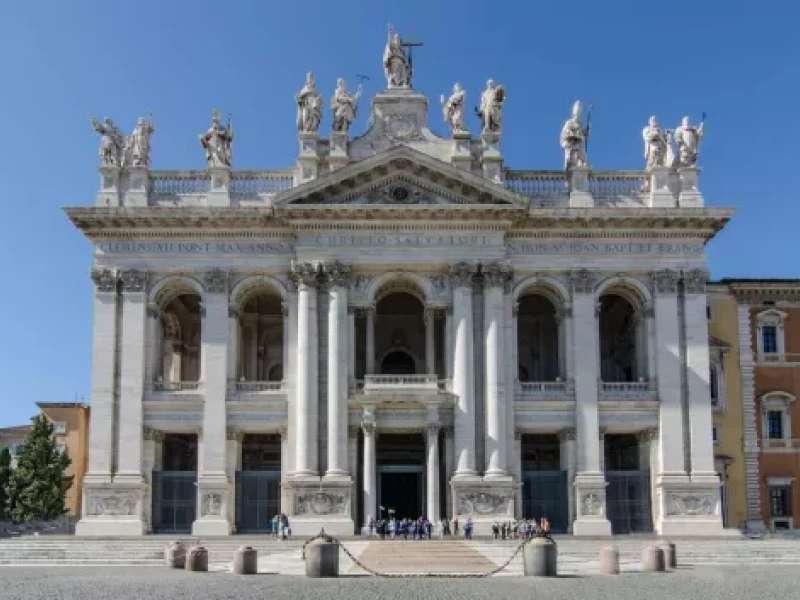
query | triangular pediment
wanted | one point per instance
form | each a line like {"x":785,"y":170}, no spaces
{"x":400,"y":176}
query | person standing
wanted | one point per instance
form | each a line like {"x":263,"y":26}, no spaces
{"x":276,"y":523}
{"x":455,"y":526}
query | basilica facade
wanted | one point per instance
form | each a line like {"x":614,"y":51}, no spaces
{"x":399,"y":323}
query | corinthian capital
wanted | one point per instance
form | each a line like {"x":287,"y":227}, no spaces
{"x":133,"y":280}
{"x":461,"y":273}
{"x":496,"y":274}
{"x":338,"y":274}
{"x":694,"y":281}
{"x":665,"y":281}
{"x":583,"y":281}
{"x":215,"y":281}
{"x":304,"y":274}
{"x":104,"y":280}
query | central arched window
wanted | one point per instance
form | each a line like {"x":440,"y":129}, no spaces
{"x":538,"y":352}
{"x":622,"y":335}
{"x":398,"y":363}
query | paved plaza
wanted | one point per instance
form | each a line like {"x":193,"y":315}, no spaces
{"x":89,"y":583}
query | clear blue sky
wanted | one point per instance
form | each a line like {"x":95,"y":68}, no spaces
{"x":736,"y":60}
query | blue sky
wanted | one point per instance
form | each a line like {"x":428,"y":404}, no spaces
{"x":180,"y":59}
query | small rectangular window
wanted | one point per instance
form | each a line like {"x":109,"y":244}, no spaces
{"x":59,"y":427}
{"x":780,"y":501}
{"x":715,"y":434}
{"x":775,"y":424}
{"x":709,"y":314}
{"x":769,"y":339}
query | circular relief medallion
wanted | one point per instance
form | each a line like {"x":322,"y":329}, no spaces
{"x":400,"y":127}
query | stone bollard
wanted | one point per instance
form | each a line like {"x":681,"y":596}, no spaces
{"x":197,"y":559}
{"x":175,"y":555}
{"x":322,"y":557}
{"x":670,"y":558}
{"x":245,"y":561}
{"x":652,"y":559}
{"x":609,"y":561}
{"x":539,"y":558}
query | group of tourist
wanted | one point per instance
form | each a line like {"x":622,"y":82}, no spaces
{"x":422,"y":528}
{"x":280,"y":527}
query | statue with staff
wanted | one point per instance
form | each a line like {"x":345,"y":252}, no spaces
{"x":112,"y":141}
{"x":491,"y":108}
{"x":137,"y":145}
{"x":218,"y":142}
{"x":688,"y":138}
{"x":453,"y":109}
{"x":309,"y":106}
{"x":575,"y":138}
{"x":344,"y":105}
{"x":657,"y":145}
{"x":396,"y":62}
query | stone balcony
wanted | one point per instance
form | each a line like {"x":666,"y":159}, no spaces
{"x":256,"y":390}
{"x":628,"y":391}
{"x":532,"y":391}
{"x":170,"y":391}
{"x":401,"y":387}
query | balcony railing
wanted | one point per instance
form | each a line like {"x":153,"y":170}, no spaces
{"x":545,"y":390}
{"x":548,"y":189}
{"x":178,"y":187}
{"x":376,"y":384}
{"x":177,"y":386}
{"x":258,"y":386}
{"x":628,"y":390}
{"x":258,"y":185}
{"x":545,"y":188}
{"x":618,"y":187}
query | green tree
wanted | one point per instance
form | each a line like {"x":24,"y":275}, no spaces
{"x":5,"y":480}
{"x":38,"y":484}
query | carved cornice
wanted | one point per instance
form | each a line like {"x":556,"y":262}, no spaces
{"x":215,"y":281}
{"x":461,"y":273}
{"x":496,"y":274}
{"x":304,"y":274}
{"x":134,"y":280}
{"x":338,"y":274}
{"x":694,"y":281}
{"x":104,"y":280}
{"x":583,"y":281}
{"x":665,"y":281}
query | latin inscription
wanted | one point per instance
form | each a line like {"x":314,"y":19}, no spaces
{"x":413,"y":240}
{"x":547,"y":248}
{"x":253,"y":248}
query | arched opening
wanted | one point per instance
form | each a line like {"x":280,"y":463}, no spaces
{"x":399,"y":334}
{"x":398,"y":363}
{"x":260,"y":338}
{"x":622,"y":352}
{"x":181,"y":335}
{"x":538,"y":340}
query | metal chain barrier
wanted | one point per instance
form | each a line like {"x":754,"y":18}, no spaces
{"x":371,"y":571}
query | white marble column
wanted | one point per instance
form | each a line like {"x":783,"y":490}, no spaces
{"x":352,"y":463}
{"x":569,"y":464}
{"x":148,"y":466}
{"x":430,"y":355}
{"x":154,"y":343}
{"x":448,"y":342}
{"x":515,"y":467}
{"x":233,"y":464}
{"x":589,"y":483}
{"x":463,"y":369}
{"x":351,"y":346}
{"x":286,"y":496}
{"x":370,"y":340}
{"x":338,"y":275}
{"x":432,"y":471}
{"x":509,"y":362}
{"x":306,"y":386}
{"x":285,"y":340}
{"x":214,"y":488}
{"x":495,"y":276}
{"x":449,"y":462}
{"x":369,"y":489}
{"x":233,"y":343}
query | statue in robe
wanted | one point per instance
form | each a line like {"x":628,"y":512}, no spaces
{"x":218,"y":142}
{"x":453,"y":109}
{"x":309,"y":106}
{"x":112,"y":141}
{"x":491,"y":109}
{"x":688,"y":139}
{"x":573,"y":139}
{"x":656,"y":145}
{"x":344,"y":105}
{"x":396,"y":64}
{"x":137,"y":146}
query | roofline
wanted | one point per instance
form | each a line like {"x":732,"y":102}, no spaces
{"x":46,"y":404}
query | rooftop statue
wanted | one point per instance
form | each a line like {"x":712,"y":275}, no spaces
{"x":657,"y":145}
{"x":688,"y":138}
{"x":574,"y":137}
{"x":491,"y":109}
{"x":396,"y":63}
{"x":309,"y":106}
{"x":345,"y":106}
{"x":112,"y":141}
{"x":453,"y":109}
{"x":137,"y":145}
{"x":218,"y":142}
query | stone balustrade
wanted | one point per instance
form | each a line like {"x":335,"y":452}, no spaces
{"x":400,"y":383}
{"x":628,"y":390}
{"x":544,"y":390}
{"x":177,"y":386}
{"x":258,"y":386}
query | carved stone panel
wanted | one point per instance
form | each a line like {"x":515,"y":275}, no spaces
{"x":322,"y":503}
{"x":583,"y":281}
{"x":111,"y":503}
{"x":483,"y":503}
{"x":591,"y":505}
{"x":211,"y":504}
{"x":690,"y":505}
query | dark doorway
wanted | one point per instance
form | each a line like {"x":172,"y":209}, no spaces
{"x":175,"y":487}
{"x":628,"y":499}
{"x":258,"y":484}
{"x":544,"y":490}
{"x":401,"y":491}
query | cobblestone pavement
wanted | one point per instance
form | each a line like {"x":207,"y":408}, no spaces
{"x":102,"y":583}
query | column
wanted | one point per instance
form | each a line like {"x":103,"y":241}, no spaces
{"x":154,"y":343}
{"x":368,"y":481}
{"x":233,"y":343}
{"x":509,"y":360}
{"x":132,"y":371}
{"x":569,"y":464}
{"x":305,"y":274}
{"x":286,"y":496}
{"x":430,"y":355}
{"x":515,"y":466}
{"x":463,"y":369}
{"x":104,"y":358}
{"x":233,"y":460}
{"x":448,"y":342}
{"x":148,"y":466}
{"x":285,"y":341}
{"x":668,"y":366}
{"x":351,"y":346}
{"x":370,"y":340}
{"x":251,"y":324}
{"x":338,"y":275}
{"x":449,"y":461}
{"x":495,"y":276}
{"x":589,"y":482}
{"x":214,"y":488}
{"x":352,"y":463}
{"x":432,"y":471}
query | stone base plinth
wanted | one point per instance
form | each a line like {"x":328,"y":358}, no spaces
{"x":485,"y":500}
{"x":112,"y":509}
{"x":321,"y":503}
{"x":689,"y":507}
{"x":590,"y":503}
{"x":214,"y":496}
{"x":110,"y":527}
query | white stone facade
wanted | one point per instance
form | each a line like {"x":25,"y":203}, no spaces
{"x":477,"y":372}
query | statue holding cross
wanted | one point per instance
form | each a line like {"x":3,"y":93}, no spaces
{"x":396,"y":62}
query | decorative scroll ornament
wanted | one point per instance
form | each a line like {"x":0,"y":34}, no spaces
{"x":592,"y":505}
{"x":211,"y":505}
{"x":665,"y":281}
{"x":215,"y":281}
{"x":461,"y":273}
{"x":496,"y":274}
{"x":583,"y":281}
{"x":134,"y":280}
{"x":694,"y":281}
{"x":692,"y":505}
{"x":111,"y":503}
{"x":338,"y":274}
{"x":321,"y":503}
{"x":482,"y":503}
{"x":304,"y":274}
{"x":104,"y":280}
